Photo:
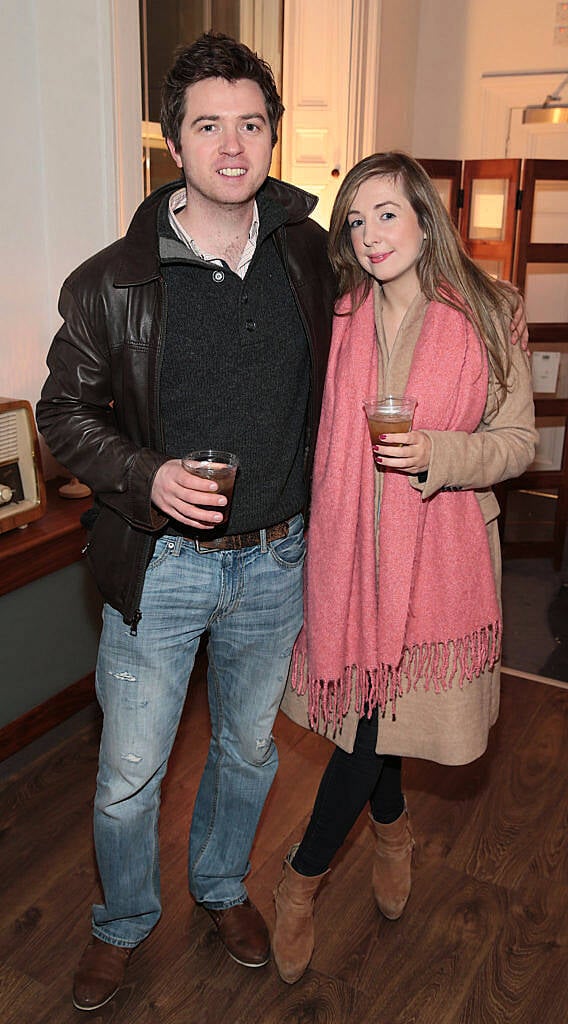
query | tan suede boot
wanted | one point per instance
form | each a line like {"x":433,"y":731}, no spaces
{"x":391,"y":866}
{"x":293,"y":939}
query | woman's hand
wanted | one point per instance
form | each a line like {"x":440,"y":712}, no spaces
{"x":408,"y":453}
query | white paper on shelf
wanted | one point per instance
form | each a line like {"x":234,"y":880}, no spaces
{"x":545,"y":366}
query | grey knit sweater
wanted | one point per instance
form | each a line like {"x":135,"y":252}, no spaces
{"x":235,"y":371}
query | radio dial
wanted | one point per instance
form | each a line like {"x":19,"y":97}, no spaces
{"x":5,"y":494}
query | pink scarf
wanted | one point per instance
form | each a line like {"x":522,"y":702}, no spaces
{"x":428,"y":611}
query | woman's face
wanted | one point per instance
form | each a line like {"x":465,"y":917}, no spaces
{"x":385,"y":232}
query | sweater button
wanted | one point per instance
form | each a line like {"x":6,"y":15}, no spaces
{"x":250,"y":325}
{"x":218,"y":276}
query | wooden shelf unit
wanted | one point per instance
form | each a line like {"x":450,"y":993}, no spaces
{"x":46,"y":545}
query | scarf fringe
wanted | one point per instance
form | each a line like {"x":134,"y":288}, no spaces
{"x":435,"y":665}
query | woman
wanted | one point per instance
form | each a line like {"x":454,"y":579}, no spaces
{"x":399,"y":654}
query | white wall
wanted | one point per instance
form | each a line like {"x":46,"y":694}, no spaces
{"x":23,"y":299}
{"x":458,"y":42}
{"x":62,"y":161}
{"x":397,"y":74}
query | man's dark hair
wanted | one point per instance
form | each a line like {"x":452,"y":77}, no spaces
{"x":214,"y":55}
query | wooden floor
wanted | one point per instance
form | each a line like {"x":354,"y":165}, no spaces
{"x":484,"y":939}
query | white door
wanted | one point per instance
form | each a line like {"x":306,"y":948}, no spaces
{"x":329,"y":88}
{"x":315,"y":86}
{"x":537,"y":141}
{"x":502,"y":133}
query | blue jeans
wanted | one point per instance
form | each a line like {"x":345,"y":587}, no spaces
{"x":250,"y":603}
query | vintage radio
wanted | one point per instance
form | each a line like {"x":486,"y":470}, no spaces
{"x":22,"y":489}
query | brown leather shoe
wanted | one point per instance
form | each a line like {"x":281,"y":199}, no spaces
{"x":294,"y":934}
{"x":244,"y":934}
{"x":99,"y":975}
{"x":392,"y":865}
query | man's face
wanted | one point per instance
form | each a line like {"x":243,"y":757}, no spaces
{"x":225,"y":141}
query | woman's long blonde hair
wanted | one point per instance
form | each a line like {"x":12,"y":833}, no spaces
{"x":445,"y":272}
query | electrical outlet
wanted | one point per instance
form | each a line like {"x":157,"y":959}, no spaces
{"x":562,"y":13}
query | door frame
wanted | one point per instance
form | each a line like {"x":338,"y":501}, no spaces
{"x":502,"y":93}
{"x":363,"y":79}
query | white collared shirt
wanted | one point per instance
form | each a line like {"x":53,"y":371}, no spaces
{"x":178,"y":200}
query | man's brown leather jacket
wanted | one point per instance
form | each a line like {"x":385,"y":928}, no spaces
{"x":99,"y":408}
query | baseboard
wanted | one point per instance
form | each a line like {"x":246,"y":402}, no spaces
{"x":32,"y":725}
{"x":35,"y":723}
{"x":547,"y":680}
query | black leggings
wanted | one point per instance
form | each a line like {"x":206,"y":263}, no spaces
{"x":347,"y":783}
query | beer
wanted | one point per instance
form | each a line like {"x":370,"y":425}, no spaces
{"x":224,"y":477}
{"x":218,"y":466}
{"x":389,"y":414}
{"x":381,"y":423}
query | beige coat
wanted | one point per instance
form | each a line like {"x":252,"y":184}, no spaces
{"x":450,"y":727}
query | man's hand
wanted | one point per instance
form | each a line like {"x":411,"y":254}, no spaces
{"x":187,"y":498}
{"x":519,"y":328}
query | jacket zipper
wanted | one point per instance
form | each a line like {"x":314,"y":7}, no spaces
{"x":141,"y":571}
{"x":134,"y":624}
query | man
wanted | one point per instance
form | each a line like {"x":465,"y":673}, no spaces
{"x":208,"y":325}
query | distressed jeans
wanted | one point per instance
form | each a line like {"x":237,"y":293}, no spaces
{"x":250,"y":604}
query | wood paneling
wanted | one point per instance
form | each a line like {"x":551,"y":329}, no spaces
{"x":502,"y":251}
{"x":536,"y":171}
{"x":46,"y":716}
{"x":447,"y":170}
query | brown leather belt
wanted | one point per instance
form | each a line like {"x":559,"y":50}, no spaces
{"x":235,"y":541}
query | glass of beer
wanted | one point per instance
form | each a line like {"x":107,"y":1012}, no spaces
{"x":389,"y":414}
{"x":214,"y":465}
